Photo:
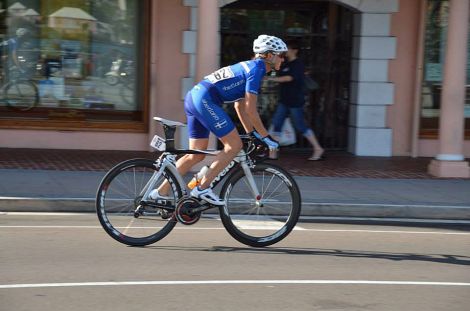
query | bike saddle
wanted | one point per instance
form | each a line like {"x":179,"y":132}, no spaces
{"x":168,"y":122}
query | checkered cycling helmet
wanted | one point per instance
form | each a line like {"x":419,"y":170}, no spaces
{"x":265,"y":43}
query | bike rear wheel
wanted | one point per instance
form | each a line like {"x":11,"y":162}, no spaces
{"x":266,"y":221}
{"x":119,"y":203}
{"x":21,"y":95}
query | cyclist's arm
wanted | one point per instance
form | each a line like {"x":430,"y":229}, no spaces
{"x":251,"y":113}
{"x":240,"y":108}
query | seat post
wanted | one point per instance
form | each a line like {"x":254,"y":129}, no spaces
{"x":169,"y":136}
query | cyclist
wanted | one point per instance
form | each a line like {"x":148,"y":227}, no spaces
{"x":8,"y":49}
{"x":240,"y":84}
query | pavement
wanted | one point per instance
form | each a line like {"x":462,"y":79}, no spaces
{"x":343,"y":185}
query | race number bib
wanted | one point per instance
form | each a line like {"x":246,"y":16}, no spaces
{"x":221,"y":74}
{"x":158,"y":143}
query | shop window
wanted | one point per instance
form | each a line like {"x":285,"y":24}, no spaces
{"x":74,"y":64}
{"x":435,"y":44}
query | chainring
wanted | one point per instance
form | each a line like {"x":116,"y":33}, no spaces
{"x":183,"y":211}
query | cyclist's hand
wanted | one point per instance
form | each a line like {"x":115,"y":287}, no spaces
{"x":270,"y":143}
{"x":255,"y":135}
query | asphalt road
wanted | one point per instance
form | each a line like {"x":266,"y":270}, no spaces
{"x":67,"y":262}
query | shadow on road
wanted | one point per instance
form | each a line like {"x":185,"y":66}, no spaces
{"x":436,"y":258}
{"x":399,"y":223}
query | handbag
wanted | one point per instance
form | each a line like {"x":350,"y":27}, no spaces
{"x":288,"y":136}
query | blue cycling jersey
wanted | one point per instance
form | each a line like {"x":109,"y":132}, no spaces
{"x":203,"y":103}
{"x":232,"y":82}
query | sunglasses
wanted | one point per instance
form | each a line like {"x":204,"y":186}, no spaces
{"x":281,"y":55}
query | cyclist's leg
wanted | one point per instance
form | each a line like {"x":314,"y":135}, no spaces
{"x":198,"y":139}
{"x":198,"y":132}
{"x":187,"y":161}
{"x":232,"y":145}
{"x":214,"y":118}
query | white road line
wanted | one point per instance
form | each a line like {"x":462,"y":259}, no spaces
{"x":236,"y":282}
{"x":389,"y":231}
{"x":216,"y":217}
{"x":385,"y":219}
{"x":127,"y":228}
{"x":45,"y":214}
{"x":385,"y":204}
{"x":45,"y":199}
{"x":252,"y":228}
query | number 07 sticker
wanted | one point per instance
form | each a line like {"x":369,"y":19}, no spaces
{"x":158,"y":143}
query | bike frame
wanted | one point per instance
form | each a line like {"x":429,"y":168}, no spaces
{"x":167,"y":161}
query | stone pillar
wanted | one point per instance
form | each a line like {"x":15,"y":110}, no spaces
{"x":450,"y":160}
{"x":208,"y":47}
{"x":207,"y":38}
{"x":202,"y":43}
{"x":371,"y":91}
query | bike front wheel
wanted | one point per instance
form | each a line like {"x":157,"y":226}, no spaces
{"x":121,"y":209}
{"x":264,"y":220}
{"x":21,"y":95}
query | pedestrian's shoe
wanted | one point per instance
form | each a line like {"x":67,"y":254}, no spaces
{"x":154,"y":195}
{"x":317,"y":155}
{"x":207,"y":195}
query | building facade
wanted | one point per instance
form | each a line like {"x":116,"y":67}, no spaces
{"x":92,"y":75}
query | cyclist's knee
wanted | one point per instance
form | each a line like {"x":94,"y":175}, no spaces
{"x":232,"y":142}
{"x":233,"y":147}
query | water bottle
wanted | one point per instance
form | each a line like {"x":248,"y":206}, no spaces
{"x":198,"y":177}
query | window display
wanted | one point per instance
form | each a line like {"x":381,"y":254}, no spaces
{"x":73,"y":60}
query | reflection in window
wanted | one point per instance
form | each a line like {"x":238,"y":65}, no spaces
{"x":434,"y":56}
{"x":81,"y":56}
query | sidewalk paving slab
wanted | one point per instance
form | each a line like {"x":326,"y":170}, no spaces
{"x":23,"y":190}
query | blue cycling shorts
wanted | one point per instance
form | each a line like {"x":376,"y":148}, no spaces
{"x":204,"y":115}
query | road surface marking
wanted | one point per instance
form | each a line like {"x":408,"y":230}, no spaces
{"x":252,"y":228}
{"x":236,"y":282}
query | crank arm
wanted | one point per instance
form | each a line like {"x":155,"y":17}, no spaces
{"x":202,"y":208}
{"x":166,"y":205}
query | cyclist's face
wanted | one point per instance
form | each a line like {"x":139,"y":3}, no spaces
{"x":278,"y":59}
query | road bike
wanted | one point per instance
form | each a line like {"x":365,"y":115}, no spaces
{"x":20,"y":93}
{"x":262,"y":200}
{"x":122,"y":72}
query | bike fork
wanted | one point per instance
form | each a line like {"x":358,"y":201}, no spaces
{"x":252,"y":184}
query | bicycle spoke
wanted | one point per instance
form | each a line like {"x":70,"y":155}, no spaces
{"x":260,"y":223}
{"x":286,"y":192}
{"x":267,"y":186}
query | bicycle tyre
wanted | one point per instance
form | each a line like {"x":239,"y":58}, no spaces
{"x":261,"y":226}
{"x":118,"y":195}
{"x":21,"y":95}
